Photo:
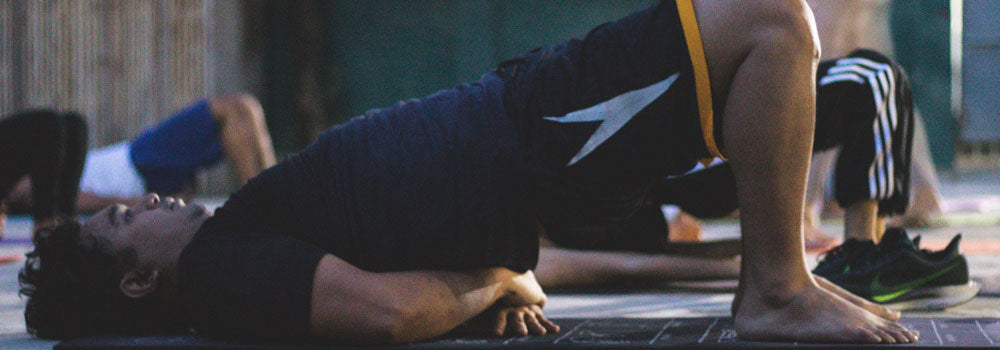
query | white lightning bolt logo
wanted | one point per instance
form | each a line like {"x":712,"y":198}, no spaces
{"x":613,"y":114}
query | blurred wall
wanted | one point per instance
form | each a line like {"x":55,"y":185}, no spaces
{"x":981,"y":76}
{"x":921,"y":37}
{"x":124,"y":64}
{"x":369,"y":54}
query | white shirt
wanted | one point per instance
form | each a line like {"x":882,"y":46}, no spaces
{"x":109,"y":172}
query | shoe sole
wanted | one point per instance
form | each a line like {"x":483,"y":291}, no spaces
{"x":935,"y":298}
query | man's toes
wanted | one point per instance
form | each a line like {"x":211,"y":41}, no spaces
{"x":908,"y":335}
{"x":880,"y":310}
{"x":892,"y":314}
{"x":874,"y":308}
{"x":887,"y":337}
{"x":864,"y":335}
{"x":899,"y":335}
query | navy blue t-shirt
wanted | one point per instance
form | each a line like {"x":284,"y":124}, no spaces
{"x":434,"y":183}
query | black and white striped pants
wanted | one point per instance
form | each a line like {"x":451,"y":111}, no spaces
{"x":864,"y":105}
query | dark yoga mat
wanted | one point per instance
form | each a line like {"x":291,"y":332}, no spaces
{"x":606,"y":333}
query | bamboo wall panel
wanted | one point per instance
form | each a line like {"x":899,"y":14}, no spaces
{"x":125,"y":65}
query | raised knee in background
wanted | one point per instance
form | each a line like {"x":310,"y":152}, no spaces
{"x":238,"y":108}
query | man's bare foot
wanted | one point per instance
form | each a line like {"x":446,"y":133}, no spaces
{"x":813,"y":314}
{"x":874,"y":308}
{"x":684,"y":228}
{"x":815,"y":240}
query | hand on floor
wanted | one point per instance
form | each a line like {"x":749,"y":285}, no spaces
{"x":520,"y":320}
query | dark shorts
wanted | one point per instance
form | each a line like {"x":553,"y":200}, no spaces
{"x":168,"y":155}
{"x":603,"y":117}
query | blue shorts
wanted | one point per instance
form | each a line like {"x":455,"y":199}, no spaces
{"x":604,"y":117}
{"x":168,"y":155}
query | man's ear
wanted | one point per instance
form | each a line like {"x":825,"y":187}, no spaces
{"x":139,"y":283}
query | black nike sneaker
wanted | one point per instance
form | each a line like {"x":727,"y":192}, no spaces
{"x":852,"y":253}
{"x":902,"y":277}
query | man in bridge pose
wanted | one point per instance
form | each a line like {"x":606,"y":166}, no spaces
{"x":410,"y":220}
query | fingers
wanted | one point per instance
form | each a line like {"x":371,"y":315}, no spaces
{"x":549,"y":325}
{"x":516,"y":318}
{"x":523,"y":321}
{"x":501,"y":321}
{"x":534,"y":325}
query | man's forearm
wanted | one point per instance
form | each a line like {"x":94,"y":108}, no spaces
{"x":352,"y":305}
{"x":441,"y":300}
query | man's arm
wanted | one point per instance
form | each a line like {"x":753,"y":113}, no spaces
{"x":356,"y":306}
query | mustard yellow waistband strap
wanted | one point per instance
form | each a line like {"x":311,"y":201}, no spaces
{"x":702,"y":86}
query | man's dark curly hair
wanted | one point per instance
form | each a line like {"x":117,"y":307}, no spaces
{"x":71,"y":280}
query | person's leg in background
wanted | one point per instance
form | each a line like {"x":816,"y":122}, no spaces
{"x":41,"y":156}
{"x":839,"y":24}
{"x":169,"y":154}
{"x":820,"y":170}
{"x":875,"y":135}
{"x":763,"y":83}
{"x":844,"y":26}
{"x":562,"y":267}
{"x":926,"y":199}
{"x":244,"y":136}
{"x":74,"y":156}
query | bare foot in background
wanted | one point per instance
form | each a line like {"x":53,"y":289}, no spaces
{"x":815,"y":240}
{"x":684,"y":228}
{"x":3,"y":216}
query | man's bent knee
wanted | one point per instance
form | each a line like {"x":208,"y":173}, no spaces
{"x":732,"y":29}
{"x":785,"y":25}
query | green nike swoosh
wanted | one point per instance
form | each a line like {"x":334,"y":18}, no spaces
{"x":881,"y":293}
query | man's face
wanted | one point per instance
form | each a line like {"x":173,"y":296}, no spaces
{"x":158,"y":230}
